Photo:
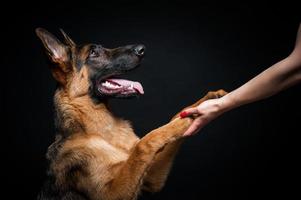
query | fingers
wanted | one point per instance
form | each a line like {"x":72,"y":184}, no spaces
{"x":188,"y":112}
{"x":196,"y":125}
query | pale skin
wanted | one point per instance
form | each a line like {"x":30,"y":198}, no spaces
{"x":274,"y":79}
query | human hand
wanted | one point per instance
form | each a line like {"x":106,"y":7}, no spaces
{"x":205,"y":112}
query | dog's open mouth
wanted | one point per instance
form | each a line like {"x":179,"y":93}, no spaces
{"x":116,"y":86}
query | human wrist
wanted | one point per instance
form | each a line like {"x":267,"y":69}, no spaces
{"x":226,"y":103}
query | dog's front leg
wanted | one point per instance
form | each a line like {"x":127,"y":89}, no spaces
{"x":128,"y":180}
{"x":157,"y":174}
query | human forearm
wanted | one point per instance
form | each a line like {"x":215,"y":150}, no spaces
{"x":276,"y":78}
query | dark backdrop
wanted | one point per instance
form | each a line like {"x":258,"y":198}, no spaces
{"x":192,"y":48}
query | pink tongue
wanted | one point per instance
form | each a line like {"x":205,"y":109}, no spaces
{"x":128,"y":83}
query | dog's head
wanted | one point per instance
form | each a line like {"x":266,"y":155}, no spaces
{"x":91,"y":69}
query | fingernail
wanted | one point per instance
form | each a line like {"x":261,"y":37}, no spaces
{"x":183,"y":114}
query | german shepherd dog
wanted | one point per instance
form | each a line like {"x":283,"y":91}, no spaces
{"x":96,"y":155}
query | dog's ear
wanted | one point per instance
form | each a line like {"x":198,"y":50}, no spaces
{"x":68,"y":40}
{"x":58,"y":53}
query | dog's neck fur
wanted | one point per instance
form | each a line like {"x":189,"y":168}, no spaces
{"x":82,"y":116}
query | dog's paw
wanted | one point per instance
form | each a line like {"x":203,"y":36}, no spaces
{"x":210,"y":95}
{"x":216,"y":94}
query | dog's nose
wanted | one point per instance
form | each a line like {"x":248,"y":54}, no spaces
{"x":139,"y":50}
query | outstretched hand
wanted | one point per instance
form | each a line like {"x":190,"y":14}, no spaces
{"x":204,"y":113}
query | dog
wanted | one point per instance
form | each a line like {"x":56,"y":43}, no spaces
{"x":96,"y":155}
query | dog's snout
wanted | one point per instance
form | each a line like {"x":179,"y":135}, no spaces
{"x":139,"y":50}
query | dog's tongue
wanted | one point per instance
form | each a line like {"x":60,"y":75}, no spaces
{"x":128,"y":83}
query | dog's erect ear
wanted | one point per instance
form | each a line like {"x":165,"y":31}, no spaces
{"x":58,"y":53}
{"x":68,"y":40}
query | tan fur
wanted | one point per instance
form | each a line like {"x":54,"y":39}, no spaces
{"x":114,"y":162}
{"x":97,"y":155}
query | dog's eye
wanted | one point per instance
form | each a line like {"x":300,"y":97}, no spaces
{"x":93,"y":53}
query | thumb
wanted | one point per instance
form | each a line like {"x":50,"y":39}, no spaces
{"x":188,"y":112}
{"x":195,"y":127}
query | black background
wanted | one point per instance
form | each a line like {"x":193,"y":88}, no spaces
{"x":192,"y":48}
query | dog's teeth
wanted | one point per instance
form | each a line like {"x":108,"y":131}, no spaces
{"x":132,"y":86}
{"x":106,"y":84}
{"x":110,"y":85}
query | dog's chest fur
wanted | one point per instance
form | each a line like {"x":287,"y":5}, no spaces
{"x":90,"y":137}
